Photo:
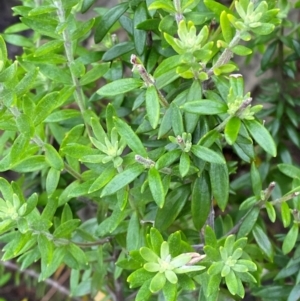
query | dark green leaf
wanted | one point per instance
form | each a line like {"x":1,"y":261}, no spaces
{"x":120,"y":86}
{"x":205,"y":107}
{"x":290,"y":239}
{"x":109,"y":19}
{"x":139,"y":36}
{"x":133,"y":233}
{"x":261,"y":135}
{"x":130,"y":137}
{"x":95,"y":73}
{"x":289,"y":170}
{"x":263,"y":242}
{"x":201,"y":200}
{"x":207,"y":154}
{"x":285,"y":214}
{"x":232,"y":129}
{"x":174,"y":203}
{"x":156,"y":187}
{"x":118,"y":50}
{"x":122,"y":179}
{"x":86,"y":4}
{"x":248,"y":222}
{"x":255,"y":180}
{"x":153,"y":106}
{"x":52,"y":180}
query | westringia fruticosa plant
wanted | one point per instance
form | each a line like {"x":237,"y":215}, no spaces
{"x":150,"y":134}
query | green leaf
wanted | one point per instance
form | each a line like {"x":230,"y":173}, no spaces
{"x":216,"y":7}
{"x":290,"y":239}
{"x":105,"y":177}
{"x":132,"y":140}
{"x":205,"y":107}
{"x":46,"y":249}
{"x":170,"y":291}
{"x":122,"y":179}
{"x":248,"y":222}
{"x":219,"y":180}
{"x":255,"y":180}
{"x":167,"y":65}
{"x":66,"y":229}
{"x":3,"y":53}
{"x":42,"y":25}
{"x":45,"y":106}
{"x":263,"y":242}
{"x":133,"y":233}
{"x":210,"y":237}
{"x":207,"y":154}
{"x":17,"y":150}
{"x":157,"y":282}
{"x":144,"y":292}
{"x":50,"y":209}
{"x":289,"y":170}
{"x":232,"y":129}
{"x":27,"y":82}
{"x":53,"y":158}
{"x":109,"y":19}
{"x":139,"y":36}
{"x":184,"y":164}
{"x":213,"y":284}
{"x":152,"y":106}
{"x":164,"y":5}
{"x":78,"y":254}
{"x":117,"y":51}
{"x":226,"y":27}
{"x":241,"y":50}
{"x":261,"y":135}
{"x":168,"y":158}
{"x":156,"y":240}
{"x":86,"y":4}
{"x":52,"y":180}
{"x":177,"y":120}
{"x":174,"y":204}
{"x":231,"y":282}
{"x":201,"y":200}
{"x":138,"y":277}
{"x":95,"y":73}
{"x":30,"y":164}
{"x":120,"y":86}
{"x":156,"y":187}
{"x":83,"y":28}
{"x":285,"y":214}
{"x":271,"y":212}
{"x":111,"y":223}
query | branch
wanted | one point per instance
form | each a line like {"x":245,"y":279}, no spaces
{"x":33,"y":274}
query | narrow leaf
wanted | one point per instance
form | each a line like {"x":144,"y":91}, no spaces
{"x":156,"y":187}
{"x":130,"y":137}
{"x":201,"y":200}
{"x":207,"y":154}
{"x":261,"y":135}
{"x":152,"y":106}
{"x":122,"y":179}
{"x":109,"y":19}
{"x":120,"y":86}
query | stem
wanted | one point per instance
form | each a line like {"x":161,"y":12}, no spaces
{"x":73,"y":172}
{"x":68,"y":46}
{"x":238,"y":113}
{"x":33,"y":274}
{"x":178,"y":15}
{"x":226,"y":54}
{"x":284,"y":198}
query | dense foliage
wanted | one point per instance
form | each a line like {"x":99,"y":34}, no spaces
{"x":175,"y":164}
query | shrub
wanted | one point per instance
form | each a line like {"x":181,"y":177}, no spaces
{"x":173,"y":157}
